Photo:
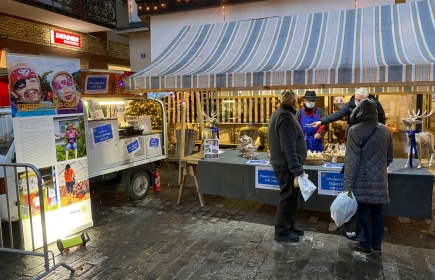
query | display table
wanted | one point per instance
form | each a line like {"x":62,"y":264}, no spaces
{"x":231,"y":176}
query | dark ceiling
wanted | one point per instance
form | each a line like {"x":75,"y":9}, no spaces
{"x":157,"y":7}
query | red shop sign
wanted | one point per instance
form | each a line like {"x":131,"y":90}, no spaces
{"x":65,"y":39}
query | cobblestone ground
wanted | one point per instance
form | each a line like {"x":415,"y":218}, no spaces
{"x":228,"y":239}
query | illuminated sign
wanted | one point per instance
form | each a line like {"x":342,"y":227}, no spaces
{"x":65,"y":39}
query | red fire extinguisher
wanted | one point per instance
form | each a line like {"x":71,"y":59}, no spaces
{"x":156,"y":177}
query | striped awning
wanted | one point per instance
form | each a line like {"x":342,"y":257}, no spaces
{"x":377,"y":46}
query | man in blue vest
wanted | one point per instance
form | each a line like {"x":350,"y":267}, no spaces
{"x":308,"y":114}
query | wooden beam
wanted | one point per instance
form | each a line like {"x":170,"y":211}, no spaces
{"x":200,"y":116}
{"x":182,"y":135}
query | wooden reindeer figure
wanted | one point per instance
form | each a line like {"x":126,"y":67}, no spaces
{"x":422,"y":141}
{"x":212,"y":132}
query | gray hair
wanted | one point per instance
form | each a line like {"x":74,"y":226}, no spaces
{"x":362,"y":91}
{"x":288,"y":96}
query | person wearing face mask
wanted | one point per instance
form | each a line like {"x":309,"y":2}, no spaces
{"x":360,"y":94}
{"x":308,"y":114}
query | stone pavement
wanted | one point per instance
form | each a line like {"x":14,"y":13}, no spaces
{"x":228,"y":239}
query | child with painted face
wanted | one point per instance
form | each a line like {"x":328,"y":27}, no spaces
{"x":26,"y":93}
{"x":68,"y":99}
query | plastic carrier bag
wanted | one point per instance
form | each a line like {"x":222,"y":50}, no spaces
{"x":307,"y":187}
{"x":343,"y":208}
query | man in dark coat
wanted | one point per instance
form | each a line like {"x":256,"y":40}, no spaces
{"x":369,"y":152}
{"x":288,"y":152}
{"x":360,"y":94}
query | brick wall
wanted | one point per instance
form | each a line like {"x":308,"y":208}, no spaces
{"x":20,"y":29}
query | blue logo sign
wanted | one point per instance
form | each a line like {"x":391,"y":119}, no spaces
{"x":133,"y":146}
{"x":330,"y":183}
{"x":102,"y":133}
{"x":96,"y":83}
{"x":154,"y":142}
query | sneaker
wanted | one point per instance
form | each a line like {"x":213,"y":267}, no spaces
{"x":376,"y":249}
{"x":289,"y":237}
{"x":355,"y":246}
{"x":297,"y":230}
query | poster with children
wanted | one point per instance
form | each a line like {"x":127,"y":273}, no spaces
{"x":211,"y":149}
{"x":49,"y":131}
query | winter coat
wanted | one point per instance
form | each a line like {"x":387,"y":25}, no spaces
{"x":286,"y":141}
{"x":366,"y":168}
{"x":348,"y":108}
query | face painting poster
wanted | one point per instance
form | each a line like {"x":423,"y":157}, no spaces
{"x":49,"y":132}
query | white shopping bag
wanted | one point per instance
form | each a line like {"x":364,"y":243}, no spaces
{"x":307,"y":187}
{"x":343,"y":208}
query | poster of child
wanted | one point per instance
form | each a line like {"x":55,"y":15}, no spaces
{"x":40,"y":87}
{"x":30,"y":194}
{"x":70,"y":139}
{"x":73,"y":182}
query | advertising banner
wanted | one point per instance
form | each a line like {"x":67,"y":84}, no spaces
{"x":49,"y":133}
{"x":330,"y":183}
{"x":265,"y":178}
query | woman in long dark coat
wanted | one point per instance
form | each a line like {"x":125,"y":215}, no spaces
{"x":369,"y":152}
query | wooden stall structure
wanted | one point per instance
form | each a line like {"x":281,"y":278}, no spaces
{"x":330,"y":50}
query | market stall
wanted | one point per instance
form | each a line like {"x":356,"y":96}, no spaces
{"x":326,"y":52}
{"x":233,"y":176}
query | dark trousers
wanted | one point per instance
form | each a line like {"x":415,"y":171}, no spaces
{"x":288,"y":202}
{"x":374,"y":234}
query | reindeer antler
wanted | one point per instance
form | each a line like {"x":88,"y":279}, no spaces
{"x":213,"y":114}
{"x":205,"y":115}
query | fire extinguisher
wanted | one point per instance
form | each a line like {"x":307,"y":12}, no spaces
{"x":156,"y":178}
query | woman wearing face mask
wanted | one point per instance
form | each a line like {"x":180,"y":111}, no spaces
{"x":307,"y":115}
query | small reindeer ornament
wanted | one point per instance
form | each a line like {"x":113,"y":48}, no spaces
{"x":421,"y":141}
{"x":212,"y":132}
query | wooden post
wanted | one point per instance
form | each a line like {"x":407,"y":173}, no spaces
{"x":200,"y":116}
{"x":182,"y":136}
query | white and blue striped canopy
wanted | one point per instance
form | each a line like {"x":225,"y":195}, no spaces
{"x":386,"y":45}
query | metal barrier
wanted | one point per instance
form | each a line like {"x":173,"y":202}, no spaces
{"x":45,"y":253}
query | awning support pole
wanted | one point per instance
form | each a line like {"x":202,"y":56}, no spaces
{"x":200,"y":117}
{"x":182,"y":136}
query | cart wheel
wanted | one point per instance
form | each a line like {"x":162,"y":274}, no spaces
{"x":139,"y":186}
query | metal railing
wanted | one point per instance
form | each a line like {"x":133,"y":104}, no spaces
{"x":45,"y":253}
{"x":100,"y":12}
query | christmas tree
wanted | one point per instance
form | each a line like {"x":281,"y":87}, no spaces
{"x":146,"y":108}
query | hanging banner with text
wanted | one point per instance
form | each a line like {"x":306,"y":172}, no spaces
{"x":330,"y":183}
{"x":265,"y":178}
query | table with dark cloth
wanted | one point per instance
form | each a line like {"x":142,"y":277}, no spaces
{"x":231,"y":176}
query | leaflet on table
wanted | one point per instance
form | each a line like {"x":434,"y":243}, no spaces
{"x":95,"y":110}
{"x":211,"y":149}
{"x":333,"y":165}
{"x":49,"y":133}
{"x":261,"y":162}
{"x":265,"y":178}
{"x":330,"y":183}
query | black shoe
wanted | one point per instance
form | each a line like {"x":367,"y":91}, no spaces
{"x":355,"y":246}
{"x":376,"y":249}
{"x":297,"y":230}
{"x":289,"y":237}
